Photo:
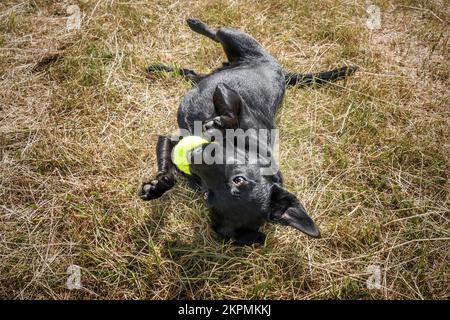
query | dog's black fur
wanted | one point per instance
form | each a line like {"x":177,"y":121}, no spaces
{"x":244,"y":93}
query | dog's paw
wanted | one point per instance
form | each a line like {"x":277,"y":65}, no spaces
{"x":195,"y":24}
{"x":213,"y":123}
{"x":154,"y":189}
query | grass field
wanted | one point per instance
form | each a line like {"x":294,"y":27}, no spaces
{"x":369,"y":157}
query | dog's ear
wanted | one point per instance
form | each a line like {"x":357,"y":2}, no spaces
{"x":227,"y":101}
{"x":287,"y":210}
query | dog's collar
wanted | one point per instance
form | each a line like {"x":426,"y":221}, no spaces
{"x":181,"y":149}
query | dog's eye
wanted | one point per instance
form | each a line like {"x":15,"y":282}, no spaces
{"x":206,"y":195}
{"x":239,"y":180}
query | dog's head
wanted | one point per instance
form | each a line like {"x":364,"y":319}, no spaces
{"x":242,"y":189}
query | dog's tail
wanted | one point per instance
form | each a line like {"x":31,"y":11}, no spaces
{"x":301,"y":79}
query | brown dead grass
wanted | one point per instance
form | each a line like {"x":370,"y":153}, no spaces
{"x":79,"y":119}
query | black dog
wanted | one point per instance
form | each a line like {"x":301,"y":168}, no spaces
{"x":244,"y":93}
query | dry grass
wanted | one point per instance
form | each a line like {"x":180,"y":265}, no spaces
{"x":79,"y":120}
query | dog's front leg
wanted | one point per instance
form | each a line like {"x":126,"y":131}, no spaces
{"x":221,"y":122}
{"x":165,"y":178}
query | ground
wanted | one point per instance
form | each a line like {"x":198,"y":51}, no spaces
{"x":368,"y":157}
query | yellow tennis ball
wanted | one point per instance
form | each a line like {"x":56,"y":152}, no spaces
{"x":179,"y":152}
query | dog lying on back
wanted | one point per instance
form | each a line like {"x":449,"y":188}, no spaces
{"x":243,"y":94}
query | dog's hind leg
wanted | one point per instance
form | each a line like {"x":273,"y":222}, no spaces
{"x":235,"y":43}
{"x":203,"y":29}
{"x":188,"y":74}
{"x":165,"y":178}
